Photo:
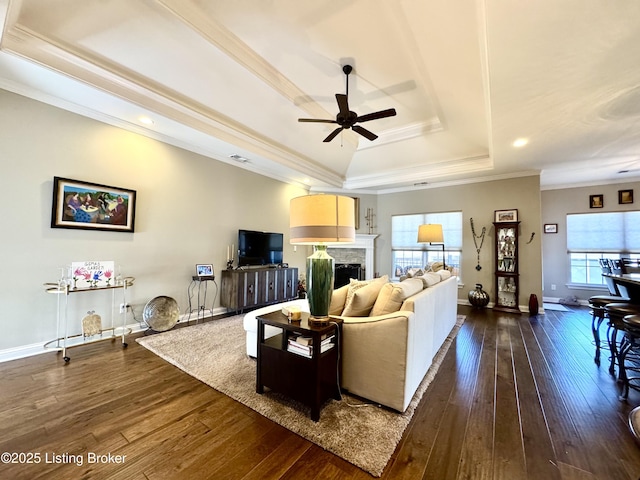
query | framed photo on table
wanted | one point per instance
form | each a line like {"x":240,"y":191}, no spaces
{"x":92,"y":206}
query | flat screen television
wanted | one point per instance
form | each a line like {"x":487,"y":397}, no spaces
{"x":259,"y":248}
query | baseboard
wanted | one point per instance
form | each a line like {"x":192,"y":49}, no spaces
{"x":25,"y":351}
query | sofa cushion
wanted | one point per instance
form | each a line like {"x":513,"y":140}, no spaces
{"x":430,"y":279}
{"x":444,"y":274}
{"x":338,"y":299}
{"x":362,"y":295}
{"x":392,"y":295}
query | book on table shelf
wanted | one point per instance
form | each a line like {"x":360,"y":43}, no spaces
{"x":307,"y":350}
{"x":308,"y":341}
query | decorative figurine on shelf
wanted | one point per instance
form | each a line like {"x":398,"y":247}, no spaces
{"x":91,"y":324}
{"x":302,"y":287}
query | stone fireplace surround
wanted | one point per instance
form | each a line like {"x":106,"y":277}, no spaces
{"x":361,"y":251}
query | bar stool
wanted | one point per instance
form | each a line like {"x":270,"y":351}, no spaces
{"x":631,"y":328}
{"x":597,"y":303}
{"x":616,"y":312}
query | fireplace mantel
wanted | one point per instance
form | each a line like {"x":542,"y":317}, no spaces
{"x":366,"y":242}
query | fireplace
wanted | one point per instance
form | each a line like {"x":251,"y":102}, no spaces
{"x":365,"y":244}
{"x":344,"y":272}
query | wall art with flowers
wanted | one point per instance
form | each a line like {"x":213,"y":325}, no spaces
{"x":92,"y":274}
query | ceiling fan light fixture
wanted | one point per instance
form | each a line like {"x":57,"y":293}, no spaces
{"x":346,"y":119}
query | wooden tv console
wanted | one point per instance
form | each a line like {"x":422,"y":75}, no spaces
{"x":255,"y":287}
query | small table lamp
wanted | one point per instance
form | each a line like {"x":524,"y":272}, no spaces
{"x":321,"y":220}
{"x":432,"y":233}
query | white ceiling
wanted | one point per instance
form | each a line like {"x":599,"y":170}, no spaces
{"x":467,"y":78}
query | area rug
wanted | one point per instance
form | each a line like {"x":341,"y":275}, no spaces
{"x":556,"y":307}
{"x":215,"y":353}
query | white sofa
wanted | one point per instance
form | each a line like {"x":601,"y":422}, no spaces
{"x":386,"y":356}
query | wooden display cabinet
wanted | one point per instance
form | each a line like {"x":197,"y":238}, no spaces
{"x":506,"y":266}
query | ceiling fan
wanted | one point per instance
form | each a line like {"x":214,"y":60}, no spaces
{"x":348,"y":119}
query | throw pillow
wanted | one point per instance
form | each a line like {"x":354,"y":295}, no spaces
{"x":338,"y":299}
{"x":430,"y":279}
{"x":392,"y":295}
{"x":444,"y":274}
{"x":361,"y":296}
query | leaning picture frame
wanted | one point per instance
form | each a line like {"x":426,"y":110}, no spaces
{"x":92,"y":206}
{"x":502,"y":216}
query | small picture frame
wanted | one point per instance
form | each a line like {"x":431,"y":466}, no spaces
{"x":204,"y":270}
{"x":502,"y":216}
{"x":596,"y":201}
{"x":550,"y":228}
{"x":625,"y":196}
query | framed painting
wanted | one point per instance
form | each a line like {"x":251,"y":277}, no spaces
{"x":550,"y":228}
{"x":92,"y":206}
{"x":596,"y":201}
{"x":506,"y":216}
{"x":625,"y":196}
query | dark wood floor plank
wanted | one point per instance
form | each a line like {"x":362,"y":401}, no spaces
{"x":508,"y":458}
{"x":574,"y":378}
{"x":540,"y":457}
{"x":477,"y":451}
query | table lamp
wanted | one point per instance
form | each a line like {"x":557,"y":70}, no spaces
{"x":432,"y":233}
{"x":321,"y":220}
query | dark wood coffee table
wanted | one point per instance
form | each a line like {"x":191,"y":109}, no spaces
{"x":312,"y":379}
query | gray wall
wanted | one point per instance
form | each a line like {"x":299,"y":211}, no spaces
{"x":477,"y":201}
{"x":556,"y":204}
{"x":189,"y":209}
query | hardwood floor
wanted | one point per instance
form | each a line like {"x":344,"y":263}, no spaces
{"x":517,"y":397}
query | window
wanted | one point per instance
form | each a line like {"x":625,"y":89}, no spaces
{"x":592,"y":236}
{"x":408,"y":253}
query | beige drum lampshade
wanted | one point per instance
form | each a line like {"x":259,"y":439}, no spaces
{"x":322,"y":219}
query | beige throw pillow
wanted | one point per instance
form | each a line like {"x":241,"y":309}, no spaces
{"x":392,"y":295}
{"x":444,"y":274}
{"x":361,"y":296}
{"x":430,"y":279}
{"x":338,"y":299}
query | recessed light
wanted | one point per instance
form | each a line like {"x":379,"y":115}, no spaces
{"x":239,"y":158}
{"x":145,"y":120}
{"x":520,"y":142}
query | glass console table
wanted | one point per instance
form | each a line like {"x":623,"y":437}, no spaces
{"x":64,"y":291}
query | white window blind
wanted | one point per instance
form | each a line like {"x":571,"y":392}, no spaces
{"x":613,"y":232}
{"x":404,"y":230}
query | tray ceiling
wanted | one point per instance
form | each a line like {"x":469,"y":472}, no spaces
{"x":232,"y":77}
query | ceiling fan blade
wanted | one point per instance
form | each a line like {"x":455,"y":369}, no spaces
{"x":391,"y":112}
{"x":343,"y":104}
{"x":333,"y":134}
{"x":316,"y":120}
{"x":364,"y":132}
